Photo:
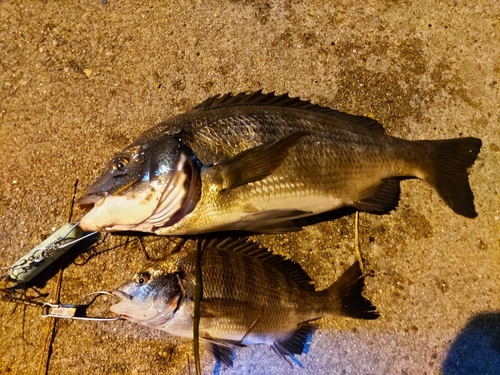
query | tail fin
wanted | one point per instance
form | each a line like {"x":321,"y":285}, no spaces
{"x":347,"y":290}
{"x":449,"y":177}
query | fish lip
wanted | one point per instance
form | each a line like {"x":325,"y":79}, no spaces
{"x":122,"y":295}
{"x":88,"y":201}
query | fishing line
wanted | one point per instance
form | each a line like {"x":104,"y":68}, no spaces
{"x":198,"y":293}
{"x":49,"y":338}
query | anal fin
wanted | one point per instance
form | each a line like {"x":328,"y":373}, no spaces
{"x":298,"y":343}
{"x":382,"y":198}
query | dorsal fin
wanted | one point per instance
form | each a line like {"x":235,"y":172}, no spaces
{"x":287,"y":267}
{"x":257,"y":98}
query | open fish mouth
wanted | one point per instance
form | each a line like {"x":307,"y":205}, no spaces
{"x":89,"y":201}
{"x":122,"y":306}
{"x":146,"y":205}
{"x":122,"y":295}
{"x":143,"y":312}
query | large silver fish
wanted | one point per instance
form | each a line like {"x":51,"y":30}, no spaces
{"x":258,"y":161}
{"x":250,"y":296}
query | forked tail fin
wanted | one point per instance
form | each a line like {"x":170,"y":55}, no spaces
{"x":448,"y":172}
{"x":347,"y":291}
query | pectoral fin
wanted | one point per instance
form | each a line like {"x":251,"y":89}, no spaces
{"x":256,"y":163}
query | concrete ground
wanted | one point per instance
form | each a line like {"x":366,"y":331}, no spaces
{"x":80,"y":80}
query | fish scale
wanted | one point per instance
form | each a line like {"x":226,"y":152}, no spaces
{"x":269,"y":291}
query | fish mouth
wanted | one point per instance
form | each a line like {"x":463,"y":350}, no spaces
{"x":125,"y":299}
{"x":142,"y":312}
{"x":147,"y":205}
{"x":94,"y":199}
{"x":121,"y":294}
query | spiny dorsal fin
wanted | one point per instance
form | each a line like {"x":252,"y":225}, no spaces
{"x":257,"y":98}
{"x":287,"y":267}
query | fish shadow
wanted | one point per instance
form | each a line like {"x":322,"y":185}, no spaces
{"x":476,"y":350}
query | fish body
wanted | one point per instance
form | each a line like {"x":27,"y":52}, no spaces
{"x":250,"y":296}
{"x":257,"y":162}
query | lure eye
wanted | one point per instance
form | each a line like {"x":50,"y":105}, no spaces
{"x":142,"y":278}
{"x":120,"y":163}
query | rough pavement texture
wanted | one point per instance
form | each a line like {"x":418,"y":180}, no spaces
{"x":80,"y":80}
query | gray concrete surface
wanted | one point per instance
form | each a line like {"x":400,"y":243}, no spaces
{"x":79,"y":80}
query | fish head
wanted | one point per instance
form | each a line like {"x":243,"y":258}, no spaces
{"x":122,"y":170}
{"x":151,"y":298}
{"x":150,"y":184}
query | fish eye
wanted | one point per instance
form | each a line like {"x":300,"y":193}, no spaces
{"x":120,"y":163}
{"x":142,"y":278}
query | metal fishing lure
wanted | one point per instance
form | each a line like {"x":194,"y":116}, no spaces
{"x":40,"y":257}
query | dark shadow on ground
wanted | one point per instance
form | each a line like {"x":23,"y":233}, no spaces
{"x":476,"y":350}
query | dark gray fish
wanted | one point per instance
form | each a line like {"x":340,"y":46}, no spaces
{"x":258,"y":161}
{"x":250,"y":296}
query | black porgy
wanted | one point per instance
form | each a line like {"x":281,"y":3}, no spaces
{"x":257,"y":162}
{"x":250,"y":296}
